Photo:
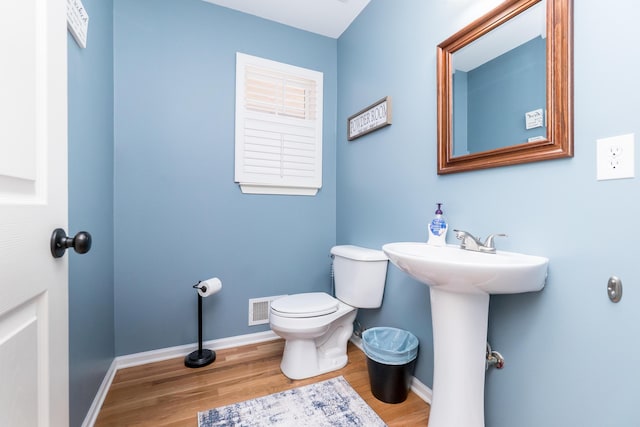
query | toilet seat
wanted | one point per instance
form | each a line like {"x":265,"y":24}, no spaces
{"x":312,"y":304}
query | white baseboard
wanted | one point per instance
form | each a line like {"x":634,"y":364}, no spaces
{"x":421,"y":390}
{"x":183,"y":350}
{"x":127,"y":361}
{"x":92,"y":415}
{"x":136,"y":359}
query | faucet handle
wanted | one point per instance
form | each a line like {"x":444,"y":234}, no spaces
{"x":489,"y":243}
{"x":461,"y":234}
{"x":468,"y":241}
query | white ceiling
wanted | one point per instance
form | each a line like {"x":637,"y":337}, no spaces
{"x":326,"y":17}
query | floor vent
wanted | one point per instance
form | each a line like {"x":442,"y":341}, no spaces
{"x":259,"y":310}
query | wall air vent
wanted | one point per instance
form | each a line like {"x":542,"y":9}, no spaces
{"x":259,"y":310}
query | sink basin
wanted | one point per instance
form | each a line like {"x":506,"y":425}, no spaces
{"x":460,"y":282}
{"x":461,"y":270}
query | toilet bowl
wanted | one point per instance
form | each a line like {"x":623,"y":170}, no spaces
{"x":312,"y":343}
{"x":316,"y":326}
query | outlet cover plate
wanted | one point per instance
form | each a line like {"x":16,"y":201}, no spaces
{"x":615,"y":157}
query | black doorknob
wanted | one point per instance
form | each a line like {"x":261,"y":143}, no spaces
{"x":81,"y":242}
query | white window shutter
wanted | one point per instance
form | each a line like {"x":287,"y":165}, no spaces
{"x":278,"y":127}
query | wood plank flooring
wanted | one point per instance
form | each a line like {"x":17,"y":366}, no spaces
{"x":169,"y":394}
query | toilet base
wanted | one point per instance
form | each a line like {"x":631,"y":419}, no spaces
{"x":306,"y":358}
{"x":312,"y":365}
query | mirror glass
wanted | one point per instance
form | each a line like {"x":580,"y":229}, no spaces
{"x":498,"y":80}
{"x":504,"y":88}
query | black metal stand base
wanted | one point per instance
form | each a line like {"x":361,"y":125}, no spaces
{"x":199,"y":358}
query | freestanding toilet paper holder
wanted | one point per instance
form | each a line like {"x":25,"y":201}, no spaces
{"x":200,"y":357}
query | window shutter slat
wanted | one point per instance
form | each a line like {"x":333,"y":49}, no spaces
{"x":278,"y":125}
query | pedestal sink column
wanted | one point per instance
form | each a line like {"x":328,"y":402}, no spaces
{"x":459,"y":346}
{"x":460,"y":282}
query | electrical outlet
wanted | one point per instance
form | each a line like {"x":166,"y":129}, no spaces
{"x":615,"y":157}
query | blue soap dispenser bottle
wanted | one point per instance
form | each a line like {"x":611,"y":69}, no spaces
{"x":438,"y":229}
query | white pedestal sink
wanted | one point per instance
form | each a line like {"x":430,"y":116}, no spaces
{"x":460,"y":283}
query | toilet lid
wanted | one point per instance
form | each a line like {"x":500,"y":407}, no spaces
{"x":305,"y":305}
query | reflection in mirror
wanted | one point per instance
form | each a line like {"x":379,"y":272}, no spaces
{"x":498,"y":81}
{"x":504,"y":88}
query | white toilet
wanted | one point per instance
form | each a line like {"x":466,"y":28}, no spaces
{"x":317,"y":326}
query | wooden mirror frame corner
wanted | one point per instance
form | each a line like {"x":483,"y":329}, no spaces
{"x":559,"y":78}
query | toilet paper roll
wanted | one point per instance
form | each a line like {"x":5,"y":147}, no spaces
{"x":209,"y":287}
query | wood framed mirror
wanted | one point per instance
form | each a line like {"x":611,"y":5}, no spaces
{"x":502,"y":105}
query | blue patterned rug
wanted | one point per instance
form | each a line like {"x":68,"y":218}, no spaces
{"x":328,"y":403}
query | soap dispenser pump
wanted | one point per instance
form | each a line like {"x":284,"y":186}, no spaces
{"x":438,"y":229}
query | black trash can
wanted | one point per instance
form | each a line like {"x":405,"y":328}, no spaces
{"x":391,"y":359}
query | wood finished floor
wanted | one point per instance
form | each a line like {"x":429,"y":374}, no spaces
{"x":169,"y":394}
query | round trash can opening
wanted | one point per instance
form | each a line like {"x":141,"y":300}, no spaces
{"x":391,"y":355}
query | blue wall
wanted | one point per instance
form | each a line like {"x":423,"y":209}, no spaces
{"x":179,"y":216}
{"x":90,"y":104}
{"x":572,"y":356}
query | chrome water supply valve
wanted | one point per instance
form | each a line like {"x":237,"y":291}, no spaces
{"x":493,"y":358}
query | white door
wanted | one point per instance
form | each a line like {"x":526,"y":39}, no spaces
{"x":33,"y":202}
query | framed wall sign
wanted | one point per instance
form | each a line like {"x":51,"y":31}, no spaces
{"x":374,"y":117}
{"x":78,"y":21}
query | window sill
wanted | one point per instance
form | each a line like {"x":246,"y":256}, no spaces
{"x":273,"y":189}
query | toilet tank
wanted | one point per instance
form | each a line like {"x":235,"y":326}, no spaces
{"x":359,"y":275}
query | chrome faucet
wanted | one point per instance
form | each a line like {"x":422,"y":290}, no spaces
{"x":471,"y":243}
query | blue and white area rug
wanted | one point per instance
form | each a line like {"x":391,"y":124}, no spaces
{"x":328,"y":403}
